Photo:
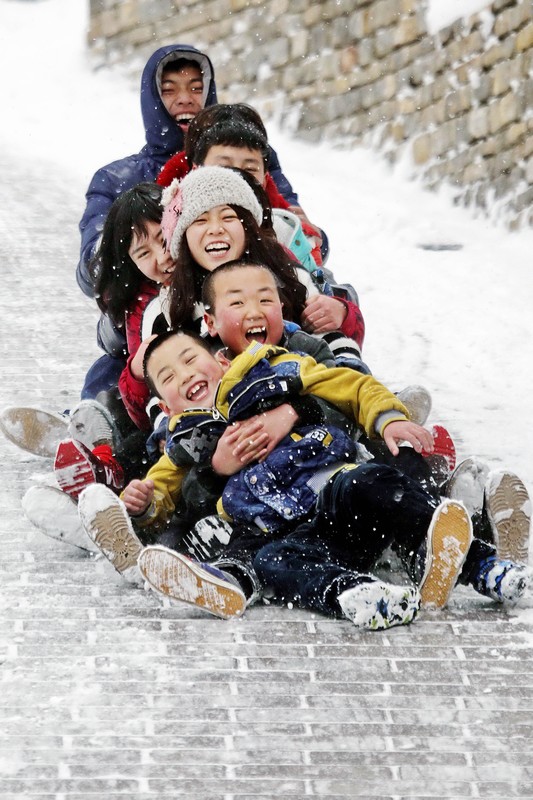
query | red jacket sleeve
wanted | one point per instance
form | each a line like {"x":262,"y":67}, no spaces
{"x":135,"y":395}
{"x":354,"y":324}
{"x":275,"y":197}
{"x":176,"y":167}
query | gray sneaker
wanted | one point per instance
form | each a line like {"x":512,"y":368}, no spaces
{"x":92,"y":424}
{"x":107,"y":523}
{"x":56,"y":514}
{"x":467,"y":484}
{"x":417,"y":400}
{"x":509,"y":511}
{"x":33,"y":429}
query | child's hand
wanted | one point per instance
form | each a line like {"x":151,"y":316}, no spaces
{"x":401,"y":431}
{"x":136,"y":363}
{"x":322,"y":314}
{"x":138,"y":495}
{"x":277,"y":423}
{"x":240,"y":443}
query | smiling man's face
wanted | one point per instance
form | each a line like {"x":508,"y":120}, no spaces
{"x":182,"y":93}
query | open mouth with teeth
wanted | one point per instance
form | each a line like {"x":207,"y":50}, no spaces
{"x":217,"y":248}
{"x":257,"y":334}
{"x":184,"y":121}
{"x":197,"y":391}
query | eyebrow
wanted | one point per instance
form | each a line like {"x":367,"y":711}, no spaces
{"x":261,"y":290}
{"x":187,"y":349}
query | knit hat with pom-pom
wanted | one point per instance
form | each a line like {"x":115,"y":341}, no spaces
{"x":201,"y":190}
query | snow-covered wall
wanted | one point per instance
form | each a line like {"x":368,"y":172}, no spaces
{"x":456,"y":104}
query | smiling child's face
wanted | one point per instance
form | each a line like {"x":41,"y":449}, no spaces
{"x":185,"y":374}
{"x":247,"y":308}
{"x":216,"y":237}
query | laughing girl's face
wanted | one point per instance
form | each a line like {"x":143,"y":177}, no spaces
{"x":215,"y":237}
{"x":150,"y":256}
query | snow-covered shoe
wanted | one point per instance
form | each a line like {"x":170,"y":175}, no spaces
{"x":447,"y":542}
{"x":76,"y":468}
{"x":503,"y":581}
{"x":417,"y":400}
{"x":509,"y":511}
{"x":181,"y":578}
{"x":92,"y":424}
{"x":56,"y":515}
{"x":105,"y":519}
{"x":467,"y":484}
{"x":378,"y":605}
{"x":33,"y":429}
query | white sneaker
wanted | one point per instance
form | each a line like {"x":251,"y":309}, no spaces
{"x":182,"y":578}
{"x":509,"y":510}
{"x":56,"y":515}
{"x":33,"y":429}
{"x":377,"y":605}
{"x":447,"y":543}
{"x":467,"y":484}
{"x":92,"y":424}
{"x":417,"y":400}
{"x":107,"y":523}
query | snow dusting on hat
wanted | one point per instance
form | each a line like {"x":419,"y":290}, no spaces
{"x":201,"y":190}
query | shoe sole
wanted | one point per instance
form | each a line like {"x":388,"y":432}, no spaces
{"x":449,"y":538}
{"x":378,"y":606}
{"x":73,"y":469}
{"x":33,"y":430}
{"x":417,"y":400}
{"x":55,"y":514}
{"x":175,"y":576}
{"x":106,"y":520}
{"x":509,"y":510}
{"x":467,"y":484}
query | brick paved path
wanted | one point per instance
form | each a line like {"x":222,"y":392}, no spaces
{"x":105,"y":692}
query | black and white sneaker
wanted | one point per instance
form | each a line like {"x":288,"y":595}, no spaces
{"x":377,"y":605}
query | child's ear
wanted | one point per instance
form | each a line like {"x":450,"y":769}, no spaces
{"x":222,"y":359}
{"x":210,"y":323}
{"x":163,"y":406}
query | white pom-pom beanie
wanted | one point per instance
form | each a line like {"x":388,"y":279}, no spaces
{"x":201,"y":190}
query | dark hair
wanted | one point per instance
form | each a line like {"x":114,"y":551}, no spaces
{"x":208,"y":287}
{"x":232,"y":133}
{"x":157,"y":342}
{"x":218,"y":114}
{"x":259,"y":247}
{"x":180,"y":63}
{"x":118,"y":279}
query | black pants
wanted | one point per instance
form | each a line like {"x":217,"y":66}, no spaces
{"x":360,"y":512}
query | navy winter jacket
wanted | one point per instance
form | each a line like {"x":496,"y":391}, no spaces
{"x":163,"y":139}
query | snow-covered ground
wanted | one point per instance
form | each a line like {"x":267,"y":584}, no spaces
{"x":458,"y":320}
